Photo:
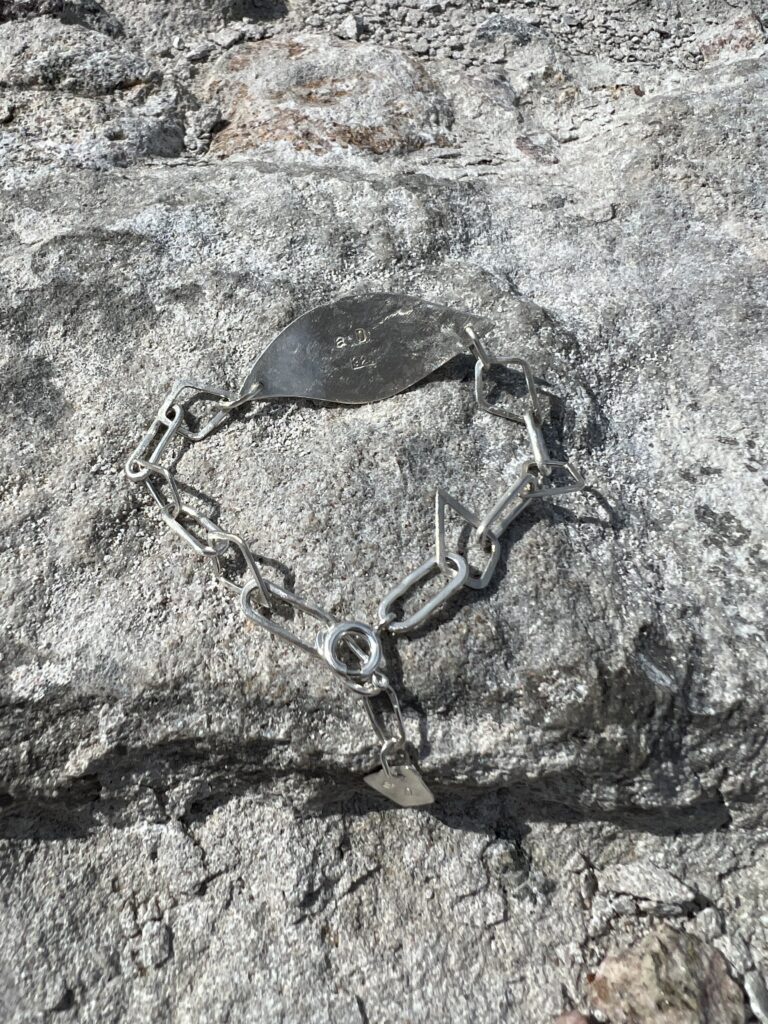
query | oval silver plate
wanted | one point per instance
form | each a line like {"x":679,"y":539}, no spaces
{"x":362,"y":349}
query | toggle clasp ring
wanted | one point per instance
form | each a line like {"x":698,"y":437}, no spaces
{"x":361,"y":640}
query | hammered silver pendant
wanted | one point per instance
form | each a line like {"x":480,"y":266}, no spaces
{"x":402,"y":785}
{"x":362,"y":349}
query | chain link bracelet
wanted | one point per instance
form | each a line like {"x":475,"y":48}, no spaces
{"x":356,"y":350}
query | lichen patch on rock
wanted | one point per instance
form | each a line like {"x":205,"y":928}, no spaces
{"x":318,"y":94}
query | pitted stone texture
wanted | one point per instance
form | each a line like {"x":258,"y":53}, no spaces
{"x":81,"y":97}
{"x":45,"y":54}
{"x":593,"y":665}
{"x":186,"y":827}
{"x":317,"y":95}
{"x":670,"y":978}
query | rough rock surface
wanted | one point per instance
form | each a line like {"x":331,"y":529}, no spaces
{"x":317,"y":96}
{"x":184,"y":829}
{"x":670,"y":978}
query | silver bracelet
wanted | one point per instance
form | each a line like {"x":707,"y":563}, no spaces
{"x":356,"y":350}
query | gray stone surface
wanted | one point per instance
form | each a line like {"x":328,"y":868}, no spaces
{"x":670,"y":978}
{"x":185,"y":832}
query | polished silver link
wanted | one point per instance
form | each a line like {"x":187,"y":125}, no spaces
{"x":391,"y":743}
{"x":578,"y":483}
{"x":476,"y":579}
{"x":478,"y":348}
{"x":198,"y":545}
{"x":372,"y":687}
{"x":238,"y":542}
{"x":521,"y":493}
{"x":411,"y":580}
{"x":199,"y":391}
{"x":138,"y":466}
{"x":538,"y":444}
{"x":174,"y":505}
{"x":274,"y":590}
{"x":384,"y":622}
{"x":499,"y":410}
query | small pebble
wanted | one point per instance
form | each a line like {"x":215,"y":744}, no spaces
{"x":351,"y":27}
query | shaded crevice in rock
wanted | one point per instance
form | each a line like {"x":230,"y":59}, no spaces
{"x":85,"y":13}
{"x":106,"y":795}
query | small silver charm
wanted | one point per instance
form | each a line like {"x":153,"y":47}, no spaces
{"x":402,"y":785}
{"x":361,"y":349}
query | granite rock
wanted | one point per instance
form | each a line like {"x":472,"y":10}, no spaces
{"x":46,"y":54}
{"x":184,"y":828}
{"x":670,"y":978}
{"x":317,"y":95}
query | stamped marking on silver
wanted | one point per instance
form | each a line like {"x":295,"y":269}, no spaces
{"x":402,"y":785}
{"x":396,"y":339}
